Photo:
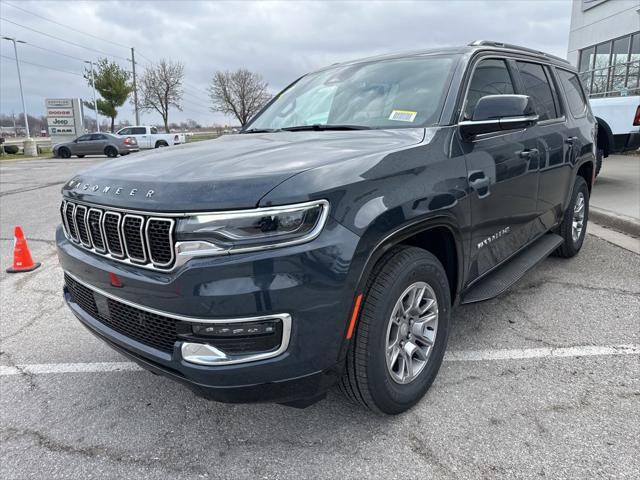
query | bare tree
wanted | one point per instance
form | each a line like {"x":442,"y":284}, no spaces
{"x":241,"y":93}
{"x":161,"y":88}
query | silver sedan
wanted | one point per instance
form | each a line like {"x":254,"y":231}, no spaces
{"x":96,"y":144}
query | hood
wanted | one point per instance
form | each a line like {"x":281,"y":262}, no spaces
{"x":233,"y":171}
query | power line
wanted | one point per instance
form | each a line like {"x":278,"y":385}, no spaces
{"x":41,"y":66}
{"x":66,"y":26}
{"x":54,"y":51}
{"x":63,"y":40}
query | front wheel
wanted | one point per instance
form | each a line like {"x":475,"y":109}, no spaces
{"x":573,"y":228}
{"x":401,"y":334}
{"x":64,"y":153}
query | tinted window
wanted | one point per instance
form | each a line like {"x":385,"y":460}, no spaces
{"x":537,"y":86}
{"x":84,"y":138}
{"x":573,"y":92}
{"x":490,"y":77}
{"x":97,"y":136}
{"x":125,"y":131}
{"x":154,"y":130}
{"x":138,"y":131}
{"x":392,"y":93}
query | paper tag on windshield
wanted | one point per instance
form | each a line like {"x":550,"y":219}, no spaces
{"x":403,"y":115}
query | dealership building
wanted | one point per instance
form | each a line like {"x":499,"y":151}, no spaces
{"x":604,"y":44}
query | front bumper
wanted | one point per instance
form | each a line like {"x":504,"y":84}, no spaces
{"x":310,"y":282}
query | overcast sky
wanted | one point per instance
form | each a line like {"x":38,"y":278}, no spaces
{"x":280,"y":40}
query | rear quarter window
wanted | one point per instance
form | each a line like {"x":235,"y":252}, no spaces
{"x":573,"y":92}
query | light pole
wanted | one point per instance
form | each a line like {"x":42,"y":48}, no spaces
{"x":24,"y":106}
{"x":95,"y":103}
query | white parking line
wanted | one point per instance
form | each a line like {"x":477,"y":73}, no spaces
{"x":459,"y":356}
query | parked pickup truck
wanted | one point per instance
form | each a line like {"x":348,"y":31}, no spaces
{"x":618,"y":125}
{"x":149,"y":137}
{"x":331,"y":240}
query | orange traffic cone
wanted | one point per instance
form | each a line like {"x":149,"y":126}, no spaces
{"x":22,"y":261}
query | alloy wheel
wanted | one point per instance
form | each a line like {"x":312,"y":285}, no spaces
{"x":578,"y":217}
{"x":411,"y":332}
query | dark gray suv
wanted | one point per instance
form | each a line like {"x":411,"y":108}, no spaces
{"x":330,"y":241}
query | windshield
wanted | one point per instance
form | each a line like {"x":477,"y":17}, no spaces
{"x":405,"y":92}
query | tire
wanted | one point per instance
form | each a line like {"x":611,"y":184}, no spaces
{"x":111,"y":152}
{"x":599,"y":157}
{"x":161,"y":143}
{"x":368,"y":380}
{"x":80,"y":156}
{"x":64,"y":152}
{"x":572,"y":242}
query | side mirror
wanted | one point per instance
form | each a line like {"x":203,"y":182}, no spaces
{"x":495,"y":113}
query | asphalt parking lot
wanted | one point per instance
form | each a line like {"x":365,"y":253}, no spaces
{"x":542,"y":382}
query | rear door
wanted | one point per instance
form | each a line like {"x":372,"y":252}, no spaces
{"x":502,"y":172}
{"x":536,"y":80}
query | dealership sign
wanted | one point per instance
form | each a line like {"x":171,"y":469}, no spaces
{"x":64,"y":118}
{"x":60,"y":122}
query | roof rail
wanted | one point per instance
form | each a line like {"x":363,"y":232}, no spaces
{"x":510,"y":46}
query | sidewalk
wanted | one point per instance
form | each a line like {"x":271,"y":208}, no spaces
{"x":615,"y":200}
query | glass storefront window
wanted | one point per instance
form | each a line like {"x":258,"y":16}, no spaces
{"x":611,"y":68}
{"x":619,"y":58}
{"x":601,"y":68}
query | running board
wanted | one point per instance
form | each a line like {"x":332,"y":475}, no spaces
{"x":506,"y":275}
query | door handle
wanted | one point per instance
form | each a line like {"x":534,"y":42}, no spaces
{"x":570,"y":140}
{"x":528,"y":154}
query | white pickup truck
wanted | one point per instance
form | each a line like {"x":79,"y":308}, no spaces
{"x":618,"y":125}
{"x":149,"y":137}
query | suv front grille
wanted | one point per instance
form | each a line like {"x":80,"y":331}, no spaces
{"x":139,"y":239}
{"x":161,"y":331}
{"x":148,"y":328}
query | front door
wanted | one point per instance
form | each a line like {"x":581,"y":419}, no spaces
{"x":502,"y":174}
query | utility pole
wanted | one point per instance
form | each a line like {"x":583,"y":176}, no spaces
{"x":30,"y":147}
{"x":135,"y":86}
{"x":24,"y":105}
{"x":95,"y":103}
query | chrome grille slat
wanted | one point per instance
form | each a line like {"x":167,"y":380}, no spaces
{"x":136,"y":239}
{"x":71,"y":224}
{"x":80,"y":219}
{"x":94,"y":223}
{"x":132,"y":235}
{"x":158,"y":233}
{"x":112,"y":234}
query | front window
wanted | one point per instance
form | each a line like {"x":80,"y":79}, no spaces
{"x":406,"y":92}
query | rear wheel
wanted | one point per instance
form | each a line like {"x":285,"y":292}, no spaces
{"x":574,"y":223}
{"x":111,"y":152}
{"x":64,"y":152}
{"x":401,"y":334}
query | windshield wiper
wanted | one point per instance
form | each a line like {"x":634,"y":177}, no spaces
{"x":318,"y":127}
{"x":260,"y":130}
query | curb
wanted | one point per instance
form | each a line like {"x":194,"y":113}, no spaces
{"x":622,"y":223}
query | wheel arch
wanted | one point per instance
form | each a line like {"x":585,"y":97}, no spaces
{"x":604,"y":137}
{"x":439,"y":235}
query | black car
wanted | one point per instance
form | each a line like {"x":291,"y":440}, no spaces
{"x":330,"y":241}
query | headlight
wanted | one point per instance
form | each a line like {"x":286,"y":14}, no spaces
{"x":248,"y":230}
